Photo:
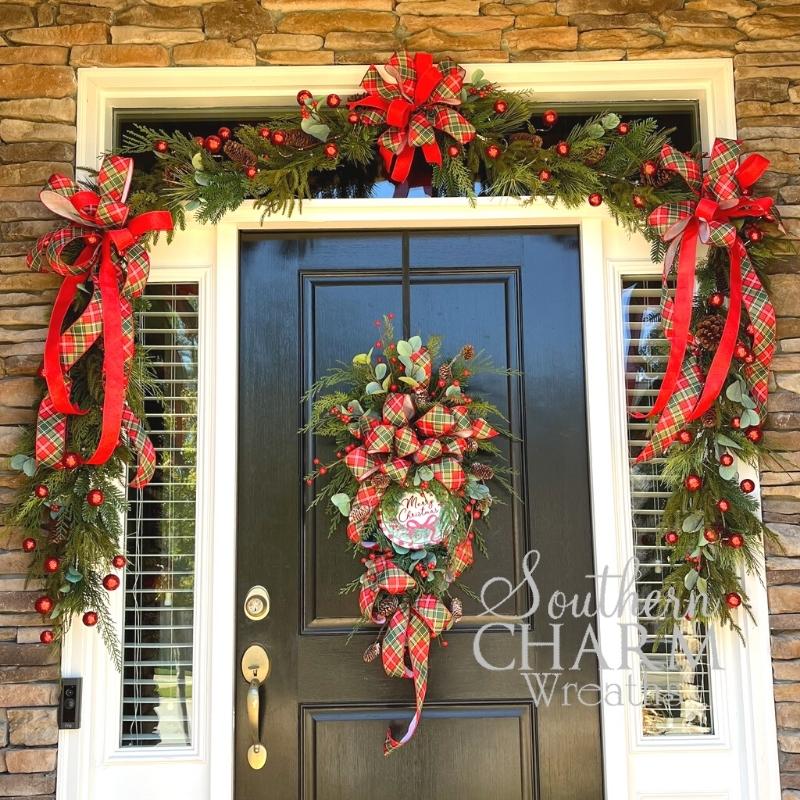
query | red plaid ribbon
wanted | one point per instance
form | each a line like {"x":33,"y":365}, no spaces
{"x":708,"y":219}
{"x":115,"y":262}
{"x":406,"y":644}
{"x":421,"y":100}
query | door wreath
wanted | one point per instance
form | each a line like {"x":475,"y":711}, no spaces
{"x":429,"y":126}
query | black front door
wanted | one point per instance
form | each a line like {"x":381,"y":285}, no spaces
{"x":307,"y":302}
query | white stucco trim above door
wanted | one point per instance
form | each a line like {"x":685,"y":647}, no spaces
{"x":739,"y":762}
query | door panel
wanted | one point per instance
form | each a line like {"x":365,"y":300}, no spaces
{"x":308,"y":302}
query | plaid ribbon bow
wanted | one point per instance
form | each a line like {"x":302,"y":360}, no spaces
{"x":113,"y":260}
{"x":421,"y":100}
{"x":406,"y":644}
{"x":720,"y":199}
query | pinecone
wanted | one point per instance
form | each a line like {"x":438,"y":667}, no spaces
{"x":446,"y":373}
{"x":360,"y":513}
{"x":661,"y":177}
{"x":372,"y":652}
{"x":422,"y":398}
{"x":388,"y":606}
{"x":709,"y":419}
{"x":482,"y":471}
{"x":456,"y":609}
{"x":467,"y":352}
{"x":594,"y":155}
{"x":472,"y":446}
{"x":533,"y":139}
{"x":709,"y":331}
{"x":240,"y":153}
{"x":381,"y":481}
{"x":299,"y":139}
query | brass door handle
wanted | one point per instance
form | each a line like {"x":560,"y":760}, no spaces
{"x":255,"y":668}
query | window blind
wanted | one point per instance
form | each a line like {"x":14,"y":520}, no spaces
{"x":158,"y":642}
{"x":675,"y":690}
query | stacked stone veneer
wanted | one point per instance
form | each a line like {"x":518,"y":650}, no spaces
{"x":42,"y":44}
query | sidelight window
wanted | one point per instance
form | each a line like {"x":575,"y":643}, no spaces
{"x":159,"y":613}
{"x":675,"y":690}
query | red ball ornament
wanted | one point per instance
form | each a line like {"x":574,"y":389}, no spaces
{"x":454,"y":151}
{"x":353,"y":118}
{"x":623,"y":129}
{"x":735,"y":540}
{"x":741,"y":351}
{"x":161,"y":146}
{"x":51,"y":565}
{"x":736,"y":423}
{"x":71,"y":460}
{"x":685,"y":437}
{"x":198,"y":140}
{"x":278,"y":137}
{"x":90,"y":619}
{"x":747,"y":486}
{"x":733,"y":600}
{"x":755,"y":234}
{"x":550,"y":117}
{"x":251,"y":172}
{"x":331,"y":150}
{"x":493,"y":151}
{"x":671,"y":538}
{"x":212,"y":143}
{"x":28,"y":545}
{"x":754,"y":434}
{"x":562,"y":149}
{"x":119,"y":561}
{"x":264,"y":133}
{"x":711,"y":535}
{"x":46,"y":637}
{"x":749,"y":358}
{"x":723,"y":505}
{"x":44,"y":604}
{"x":333,"y":101}
{"x":500,"y":106}
{"x":638,"y":201}
{"x":716,"y":300}
{"x":95,"y":498}
{"x":726,"y":459}
{"x":595,"y":199}
{"x":693,"y":482}
{"x":111,"y":582}
{"x":41,"y":491}
{"x":545,"y":175}
{"x":302,"y":96}
{"x":649,"y":168}
{"x":224,"y":133}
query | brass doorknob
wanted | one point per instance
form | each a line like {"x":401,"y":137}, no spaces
{"x":255,"y":669}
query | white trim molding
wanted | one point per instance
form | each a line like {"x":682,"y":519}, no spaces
{"x":740,"y":761}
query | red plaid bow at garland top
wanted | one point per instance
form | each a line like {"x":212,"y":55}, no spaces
{"x":721,"y":198}
{"x":421,"y":100}
{"x":407,"y":641}
{"x":114,"y":263}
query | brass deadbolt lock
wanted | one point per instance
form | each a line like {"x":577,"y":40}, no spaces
{"x":256,"y":604}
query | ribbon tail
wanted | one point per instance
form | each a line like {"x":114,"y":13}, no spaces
{"x":762,"y":316}
{"x":402,"y":164}
{"x":113,"y":359}
{"x":51,"y":434}
{"x":721,"y":363}
{"x":57,"y":385}
{"x":682,"y":317}
{"x":143,"y":447}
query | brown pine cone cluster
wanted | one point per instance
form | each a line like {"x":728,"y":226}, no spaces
{"x":709,"y":331}
{"x":371,"y":653}
{"x":299,"y":139}
{"x":381,"y":481}
{"x":533,"y":139}
{"x":456,"y":609}
{"x":482,"y":471}
{"x":709,"y":419}
{"x":240,"y":153}
{"x":446,"y":373}
{"x":595,"y":155}
{"x":661,"y":177}
{"x":360,"y":513}
{"x":388,"y":606}
{"x":468,"y":352}
{"x":422,"y":398}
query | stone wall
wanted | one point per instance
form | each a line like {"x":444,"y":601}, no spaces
{"x":41,"y":44}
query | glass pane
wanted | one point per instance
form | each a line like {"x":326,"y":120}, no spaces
{"x":160,"y":534}
{"x":675,"y":686}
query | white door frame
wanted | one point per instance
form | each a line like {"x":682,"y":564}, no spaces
{"x":738,"y":762}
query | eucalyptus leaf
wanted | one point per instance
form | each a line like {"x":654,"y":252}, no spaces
{"x":65,"y":588}
{"x":354,"y":407}
{"x":726,"y":441}
{"x":197,"y":160}
{"x":690,"y":579}
{"x":750,"y":418}
{"x":407,"y":363}
{"x":56,"y":612}
{"x":342,"y":502}
{"x":193,"y":205}
{"x":734,"y":392}
{"x":452,"y":391}
{"x":728,"y":473}
{"x":702,"y":585}
{"x":417,"y":480}
{"x":595,"y":131}
{"x":477,"y":76}
{"x":387,"y":382}
{"x":373,"y":387}
{"x":415,"y":342}
{"x":408,"y":381}
{"x":418,"y":555}
{"x":202,"y":178}
{"x":425,"y":472}
{"x":18,"y":461}
{"x":418,"y":374}
{"x":380,"y":371}
{"x":72,"y":575}
{"x":692,"y":522}
{"x":29,"y":467}
{"x":748,"y":401}
{"x":399,"y":549}
{"x":404,"y":348}
{"x":610,"y":121}
{"x":478,"y":491}
{"x":709,"y":554}
{"x":313,"y":127}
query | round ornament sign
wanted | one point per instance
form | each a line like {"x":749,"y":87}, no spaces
{"x":416,"y":520}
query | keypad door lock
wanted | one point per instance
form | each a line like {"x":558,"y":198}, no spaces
{"x":256,"y":604}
